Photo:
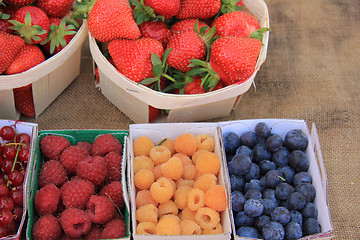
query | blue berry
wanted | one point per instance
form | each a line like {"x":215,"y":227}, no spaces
{"x":248,"y":232}
{"x":280,"y":157}
{"x":236,"y":183}
{"x":298,"y":161}
{"x":273,"y":178}
{"x":249,"y":139}
{"x":296,"y":139}
{"x":274,"y":142}
{"x":261,"y":221}
{"x":296,"y":217}
{"x":311,"y":226}
{"x":296,"y":201}
{"x":253,"y":184}
{"x":269,"y":206}
{"x":281,"y":215}
{"x":243,"y":220}
{"x":270,"y":194}
{"x":283,"y":190}
{"x":253,"y":208}
{"x":231,"y":142}
{"x":273,"y":231}
{"x":288,"y":173}
{"x":243,"y":149}
{"x":293,"y":231}
{"x":237,"y":201}
{"x":309,"y":211}
{"x":254,"y":172}
{"x":262,"y":130}
{"x":253,"y":194}
{"x":261,"y":153}
{"x":302,"y":177}
{"x":266,"y":165}
{"x":307,"y":190}
{"x":239,"y":165}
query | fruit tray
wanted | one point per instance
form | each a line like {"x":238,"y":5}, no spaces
{"x":31,"y":130}
{"x":127,"y":95}
{"x":74,"y":137}
{"x":48,"y":79}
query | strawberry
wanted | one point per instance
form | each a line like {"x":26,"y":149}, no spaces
{"x":29,"y":56}
{"x":195,"y":87}
{"x":24,"y":101}
{"x":231,"y":5}
{"x":156,"y":30}
{"x":198,"y":9}
{"x":153,"y":113}
{"x":55,"y":8}
{"x":31,"y":23}
{"x":166,"y":8}
{"x":186,"y":24}
{"x":133,"y":57}
{"x":9,"y":47}
{"x":6,"y":14}
{"x":18,"y":3}
{"x":112,"y":19}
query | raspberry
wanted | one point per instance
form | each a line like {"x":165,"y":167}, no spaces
{"x":86,"y":145}
{"x":187,"y":214}
{"x":47,"y":199}
{"x":75,"y":222}
{"x":205,"y":181}
{"x":184,"y":182}
{"x":173,"y":168}
{"x":114,"y":229}
{"x":142,"y":146}
{"x":94,"y":233}
{"x":189,"y":172}
{"x":114,"y":192}
{"x":215,"y":198}
{"x":162,"y":190}
{"x":168,"y":207}
{"x":185,"y":143}
{"x":186,"y":160}
{"x":143,"y":179}
{"x":71,"y":156}
{"x":46,"y":227}
{"x":196,"y":199}
{"x":147,"y":213}
{"x":181,"y":196}
{"x":76,"y":193}
{"x":113,"y":163}
{"x":52,"y":145}
{"x":159,"y":154}
{"x":93,"y":169}
{"x":52,"y":172}
{"x":100,"y":209}
{"x":106,"y":143}
{"x":146,"y":228}
{"x":205,"y":142}
{"x":207,"y":218}
{"x":167,"y":142}
{"x":217,"y":230}
{"x":208,"y":162}
{"x":140,"y":162}
{"x":144,"y":197}
{"x":157,"y":172}
{"x":189,"y":227}
{"x":168,"y":225}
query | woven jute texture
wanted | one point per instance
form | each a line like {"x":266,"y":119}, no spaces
{"x":311,"y":72}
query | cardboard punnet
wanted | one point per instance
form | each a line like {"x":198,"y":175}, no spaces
{"x":316,"y":168}
{"x":74,"y":136}
{"x":31,"y":129}
{"x":127,"y":95}
{"x":48,"y":79}
{"x":157,"y":132}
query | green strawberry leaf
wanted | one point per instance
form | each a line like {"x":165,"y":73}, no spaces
{"x":166,"y":55}
{"x":196,"y":71}
{"x":157,"y":69}
{"x":148,"y":81}
{"x":155,"y":60}
{"x":4,"y":16}
{"x":197,"y":62}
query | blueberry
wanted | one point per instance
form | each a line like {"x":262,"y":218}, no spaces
{"x":254,"y":172}
{"x":243,"y":220}
{"x":309,"y":211}
{"x":249,"y":139}
{"x":281,"y":215}
{"x":274,"y":142}
{"x":273,"y":231}
{"x":296,"y":139}
{"x":288,"y":173}
{"x":273,"y":178}
{"x":253,"y":208}
{"x":269,"y":206}
{"x":253,"y":184}
{"x":249,"y":232}
{"x":262,"y":130}
{"x":270,"y":194}
{"x":236,"y":183}
{"x":253,"y":194}
{"x":237,"y":201}
{"x":280,"y":157}
{"x":298,"y":161}
{"x":239,"y":165}
{"x":283,"y":190}
{"x":261,"y":221}
{"x":293,"y":231}
{"x":296,"y":217}
{"x":266,"y":165}
{"x":296,"y":201}
{"x":261,"y":153}
{"x":311,"y":226}
{"x":307,"y":190}
{"x":231,"y":141}
{"x":243,"y":149}
{"x":302,"y":177}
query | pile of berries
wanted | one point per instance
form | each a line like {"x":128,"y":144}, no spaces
{"x":14,"y":155}
{"x":80,"y":191}
{"x":177,"y":187}
{"x":271,"y":190}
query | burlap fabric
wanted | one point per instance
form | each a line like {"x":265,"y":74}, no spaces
{"x":311,"y":72}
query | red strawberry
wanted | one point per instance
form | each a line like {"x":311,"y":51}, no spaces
{"x":76,"y":193}
{"x":31,"y":23}
{"x":47,"y":199}
{"x":186,"y":24}
{"x":28,"y":57}
{"x":112,"y":19}
{"x":93,"y":169}
{"x":195,"y":87}
{"x":113,"y":163}
{"x":71,"y":156}
{"x":46,"y":227}
{"x":18,"y":3}
{"x":156,"y":30}
{"x":104,"y":144}
{"x":10,"y":45}
{"x":153,"y":113}
{"x":133,"y":57}
{"x":231,"y":5}
{"x":100,"y":209}
{"x":198,"y":9}
{"x":114,"y":229}
{"x":52,"y":145}
{"x":75,"y":222}
{"x":55,"y":8}
{"x":6,"y":13}
{"x":166,"y":8}
{"x":24,"y":100}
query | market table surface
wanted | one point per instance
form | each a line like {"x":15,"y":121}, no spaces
{"x":311,"y":72}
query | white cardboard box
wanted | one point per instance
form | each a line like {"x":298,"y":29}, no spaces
{"x":48,"y":79}
{"x":316,"y":168}
{"x":134,"y":99}
{"x":159,"y":131}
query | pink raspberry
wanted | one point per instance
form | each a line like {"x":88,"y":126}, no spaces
{"x":71,"y":156}
{"x":104,"y":144}
{"x":114,"y":192}
{"x":92,"y":168}
{"x":85,"y":145}
{"x":100,"y":209}
{"x":52,"y":145}
{"x":75,"y":222}
{"x":52,"y":172}
{"x":94,"y":233}
{"x":114,"y":229}
{"x":46,"y":227}
{"x":113,"y":162}
{"x":76,"y":193}
{"x":47,"y":199}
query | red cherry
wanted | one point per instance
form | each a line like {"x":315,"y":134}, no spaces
{"x":24,"y":153}
{"x":16,"y":178}
{"x":16,"y":196}
{"x":3,"y":231}
{"x":6,"y":203}
{"x":4,"y":190}
{"x":6,"y":166}
{"x":5,"y":217}
{"x":23,"y":138}
{"x":7,"y":133}
{"x":17,"y":213}
{"x":11,"y":228}
{"x":9,"y":152}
